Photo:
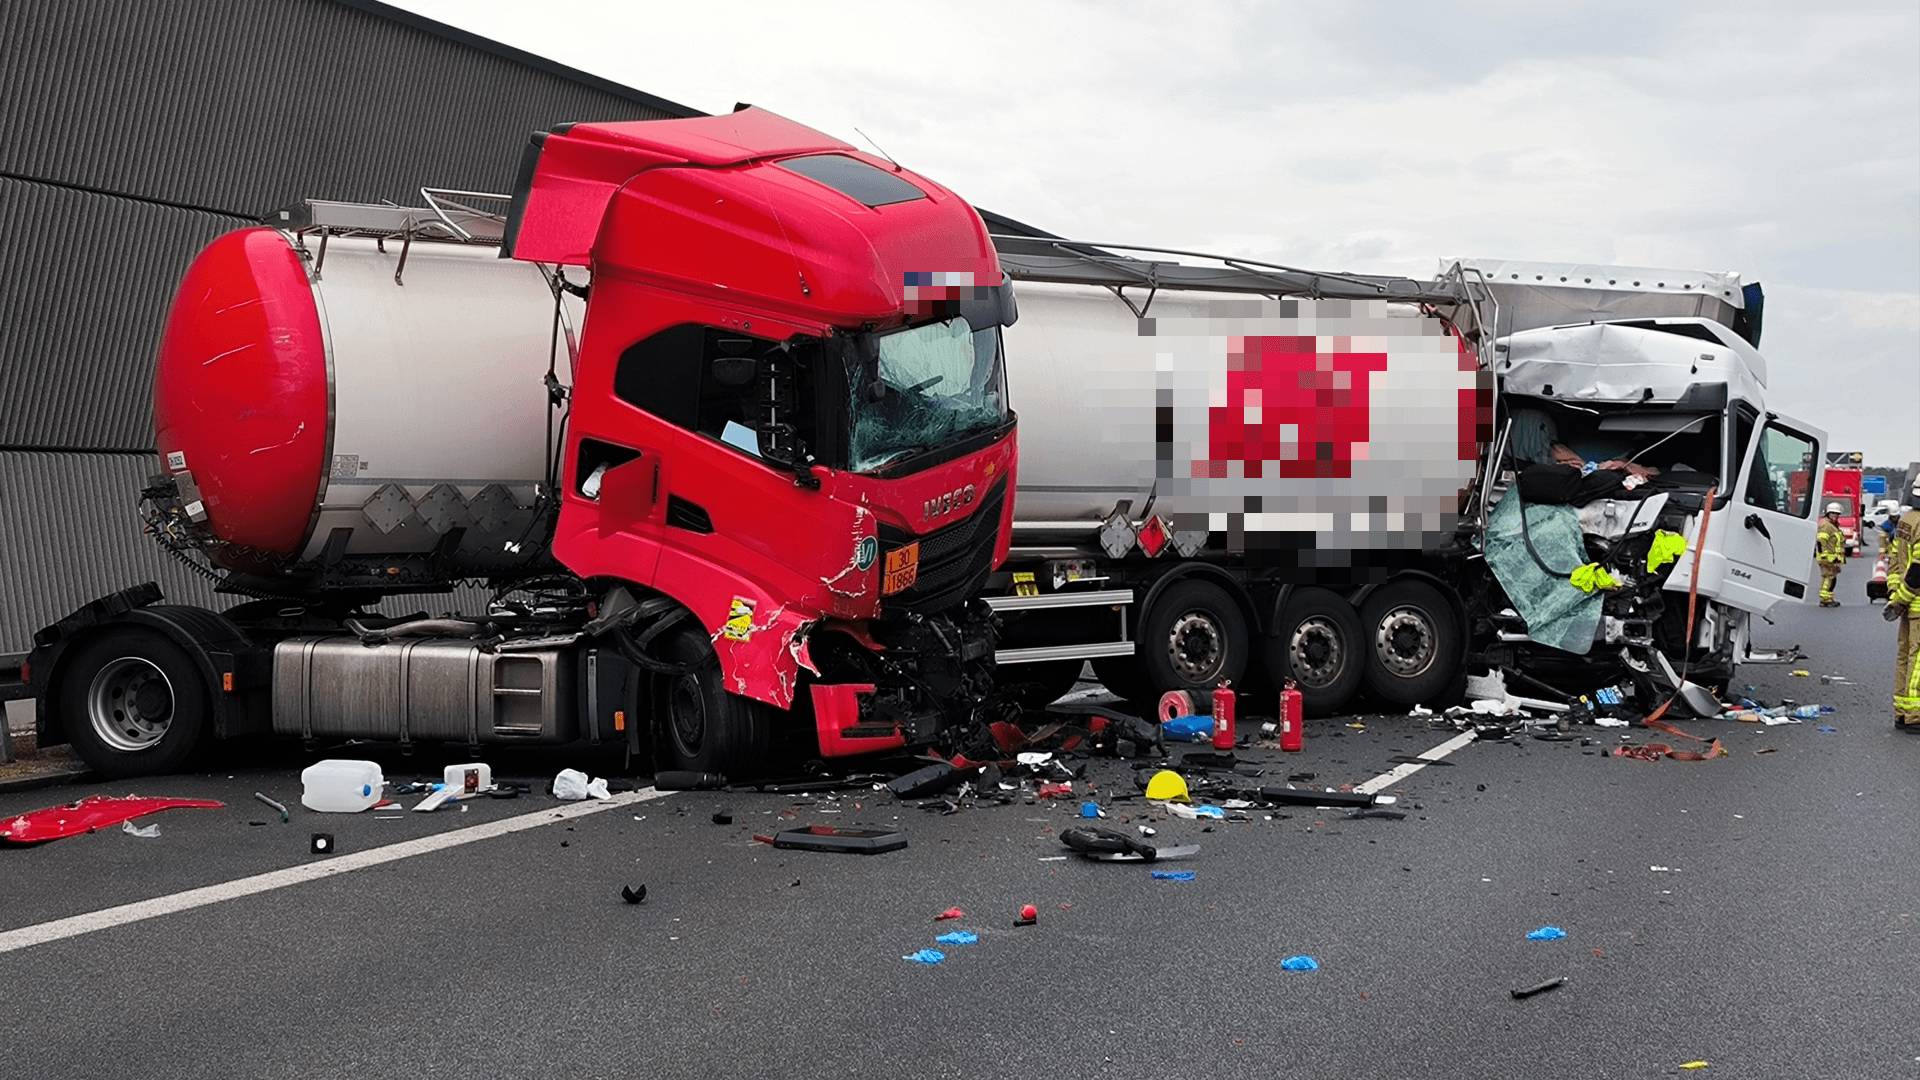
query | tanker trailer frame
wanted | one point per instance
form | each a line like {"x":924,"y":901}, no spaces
{"x":714,"y":406}
{"x":1242,"y":472}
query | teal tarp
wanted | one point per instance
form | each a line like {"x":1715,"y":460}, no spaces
{"x":1556,"y":613}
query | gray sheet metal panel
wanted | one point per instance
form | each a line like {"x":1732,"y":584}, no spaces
{"x":245,"y":105}
{"x":72,"y":535}
{"x":85,"y":282}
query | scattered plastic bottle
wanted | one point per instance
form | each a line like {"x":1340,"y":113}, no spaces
{"x":1807,"y":712}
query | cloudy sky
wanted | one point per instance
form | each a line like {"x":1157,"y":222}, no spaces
{"x":1778,"y":139}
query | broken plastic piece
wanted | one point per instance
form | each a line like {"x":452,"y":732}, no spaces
{"x":1300,"y":963}
{"x":687,"y":780}
{"x":1694,"y":1065}
{"x":1056,"y":791}
{"x":950,"y":913}
{"x":632,"y":895}
{"x":1529,"y":991}
{"x":958,"y":937}
{"x":833,"y":838}
{"x":1173,"y":875}
{"x":932,"y":780}
{"x":440,"y":798}
{"x":146,"y":832}
{"x":320,"y":844}
{"x":90,"y":813}
{"x":1090,"y":810}
{"x":1028,"y":915}
{"x":1546,"y":933}
{"x":926,"y":956}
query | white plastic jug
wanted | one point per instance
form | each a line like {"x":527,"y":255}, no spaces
{"x":469,"y":779}
{"x":340,"y":786}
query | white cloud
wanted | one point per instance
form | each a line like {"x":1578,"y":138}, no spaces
{"x":1779,"y":139}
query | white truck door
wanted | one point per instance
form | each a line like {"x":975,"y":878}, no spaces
{"x":1765,"y":535}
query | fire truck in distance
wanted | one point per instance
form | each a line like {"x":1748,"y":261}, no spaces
{"x":716,"y":406}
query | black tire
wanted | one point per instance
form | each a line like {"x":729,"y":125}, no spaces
{"x":133,"y":703}
{"x":1193,"y":637}
{"x":1413,"y":643}
{"x":1319,"y":644}
{"x":702,"y":727}
{"x":1035,"y":686}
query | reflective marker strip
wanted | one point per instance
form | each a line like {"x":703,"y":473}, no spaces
{"x":108,"y":918}
{"x":1401,"y":772}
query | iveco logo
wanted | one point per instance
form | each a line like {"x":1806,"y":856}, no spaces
{"x":949,"y":502}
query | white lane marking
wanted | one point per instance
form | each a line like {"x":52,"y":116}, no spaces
{"x":75,"y":925}
{"x":1401,"y":772}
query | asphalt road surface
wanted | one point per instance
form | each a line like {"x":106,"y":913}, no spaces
{"x":1756,"y":912}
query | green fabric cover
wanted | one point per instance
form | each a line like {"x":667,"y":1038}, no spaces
{"x":1556,"y":613}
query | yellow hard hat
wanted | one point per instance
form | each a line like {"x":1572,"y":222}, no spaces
{"x":1167,"y":785}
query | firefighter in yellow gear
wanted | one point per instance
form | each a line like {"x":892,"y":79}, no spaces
{"x":1830,"y":551}
{"x":1903,"y":603}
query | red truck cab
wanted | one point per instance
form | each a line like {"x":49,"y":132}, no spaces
{"x":789,"y":418}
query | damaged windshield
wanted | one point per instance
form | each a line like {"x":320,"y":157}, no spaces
{"x":923,"y":387}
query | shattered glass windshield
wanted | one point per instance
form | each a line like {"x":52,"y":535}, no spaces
{"x":933,"y":384}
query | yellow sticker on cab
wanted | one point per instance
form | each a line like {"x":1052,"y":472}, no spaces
{"x":902,"y":569}
{"x":739,"y":624}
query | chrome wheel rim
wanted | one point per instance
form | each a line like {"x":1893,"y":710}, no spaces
{"x":1197,"y":649}
{"x":1315,"y":653}
{"x":130,"y":704}
{"x":1406,"y":642}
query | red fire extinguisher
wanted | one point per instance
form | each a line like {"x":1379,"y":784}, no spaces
{"x":1223,"y":717}
{"x":1291,"y":734}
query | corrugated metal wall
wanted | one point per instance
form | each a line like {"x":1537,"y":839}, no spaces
{"x":84,"y":290}
{"x":130,"y":135}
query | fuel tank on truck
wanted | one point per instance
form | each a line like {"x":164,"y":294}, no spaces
{"x":1336,"y":424}
{"x":361,"y":399}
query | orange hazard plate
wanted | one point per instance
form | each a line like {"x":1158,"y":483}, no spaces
{"x":903,"y":569}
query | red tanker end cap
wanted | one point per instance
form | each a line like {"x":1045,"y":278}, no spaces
{"x":240,"y":390}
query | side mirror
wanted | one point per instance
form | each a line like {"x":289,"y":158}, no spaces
{"x":988,"y":305}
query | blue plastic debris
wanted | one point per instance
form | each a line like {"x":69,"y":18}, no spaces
{"x":1829,"y":730}
{"x":1300,"y":963}
{"x":1209,"y":811}
{"x":1089,"y":809}
{"x":1173,"y":875}
{"x":1188,"y":728}
{"x":1547,"y":933}
{"x":958,"y":937}
{"x":926,"y":956}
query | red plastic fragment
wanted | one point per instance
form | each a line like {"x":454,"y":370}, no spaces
{"x":90,"y":813}
{"x":1028,"y":915}
{"x":1008,"y":736}
{"x":950,"y":913}
{"x":1063,"y":790}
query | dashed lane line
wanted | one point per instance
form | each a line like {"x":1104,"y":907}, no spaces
{"x":1401,"y":772}
{"x":333,"y":866}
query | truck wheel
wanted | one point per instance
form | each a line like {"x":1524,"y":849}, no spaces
{"x":1035,"y":686}
{"x":1318,"y":644}
{"x":1414,"y":642}
{"x":133,"y":703}
{"x":1193,"y":637}
{"x":703,"y":727}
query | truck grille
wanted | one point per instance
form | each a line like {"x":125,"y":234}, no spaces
{"x":954,"y":561}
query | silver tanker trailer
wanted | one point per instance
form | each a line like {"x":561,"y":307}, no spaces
{"x":1238,"y":471}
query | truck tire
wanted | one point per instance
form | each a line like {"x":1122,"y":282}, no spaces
{"x":1413,"y":643}
{"x":1318,"y":643}
{"x":701,"y":726}
{"x":133,"y":703}
{"x":1193,"y":637}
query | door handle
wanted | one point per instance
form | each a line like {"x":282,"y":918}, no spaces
{"x":1754,"y":523}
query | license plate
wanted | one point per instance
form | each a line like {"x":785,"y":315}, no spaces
{"x":903,"y":569}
